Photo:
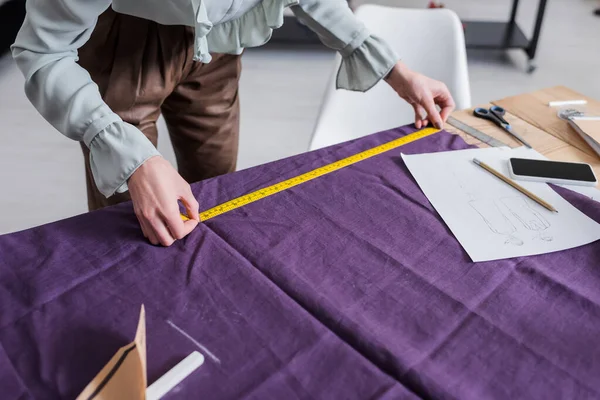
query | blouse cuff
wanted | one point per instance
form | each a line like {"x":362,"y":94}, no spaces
{"x":116,"y":152}
{"x":366,"y":65}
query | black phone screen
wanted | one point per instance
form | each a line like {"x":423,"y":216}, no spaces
{"x":552,"y":169}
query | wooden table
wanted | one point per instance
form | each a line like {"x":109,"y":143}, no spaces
{"x":538,"y":124}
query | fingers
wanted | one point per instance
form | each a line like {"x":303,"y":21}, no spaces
{"x":191,"y":205}
{"x":144,"y":229}
{"x":188,"y":226}
{"x":162,"y":232}
{"x":445,"y":113}
{"x":421,"y":120}
{"x":149,"y":232}
{"x":155,"y":189}
{"x":418,"y":121}
{"x":445,"y":101}
{"x":179,"y":229}
{"x":432,"y":113}
{"x":147,"y":228}
{"x":154,"y":228}
{"x":141,"y":220}
{"x":165,"y":228}
{"x":447,"y":107}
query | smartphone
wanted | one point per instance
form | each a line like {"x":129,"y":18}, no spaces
{"x":567,"y":173}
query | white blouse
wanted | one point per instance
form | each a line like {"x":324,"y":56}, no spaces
{"x":63,"y":92}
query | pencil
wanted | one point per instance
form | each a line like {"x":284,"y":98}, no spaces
{"x":515,"y":185}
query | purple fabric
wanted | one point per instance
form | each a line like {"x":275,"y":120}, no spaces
{"x":349,"y":286}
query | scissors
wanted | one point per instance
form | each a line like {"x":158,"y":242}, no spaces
{"x":496,"y":115}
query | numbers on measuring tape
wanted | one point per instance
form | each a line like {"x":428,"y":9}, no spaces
{"x":297,"y":180}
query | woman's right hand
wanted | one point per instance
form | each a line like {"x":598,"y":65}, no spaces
{"x":155,"y":187}
{"x":423,"y":94}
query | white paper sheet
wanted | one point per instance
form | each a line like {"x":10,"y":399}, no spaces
{"x":490,"y":219}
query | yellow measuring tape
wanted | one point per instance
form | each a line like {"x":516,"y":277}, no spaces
{"x":315,"y":173}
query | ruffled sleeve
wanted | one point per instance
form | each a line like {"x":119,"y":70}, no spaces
{"x":366,"y":59}
{"x":116,"y":152}
{"x":45,"y":51}
{"x":254,"y":28}
{"x":366,"y":65}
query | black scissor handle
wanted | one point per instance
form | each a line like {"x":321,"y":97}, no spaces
{"x":499,"y":113}
{"x":494,"y":114}
{"x":482,"y":113}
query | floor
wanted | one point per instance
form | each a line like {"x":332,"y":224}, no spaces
{"x":41,"y":172}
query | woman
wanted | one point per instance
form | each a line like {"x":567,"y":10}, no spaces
{"x":103,"y":75}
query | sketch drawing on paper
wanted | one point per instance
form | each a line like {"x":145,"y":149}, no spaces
{"x":490,"y":219}
{"x":529,"y":217}
{"x":503,"y":215}
{"x":490,"y":213}
{"x":496,"y":220}
{"x":497,"y":213}
{"x":465,"y":186}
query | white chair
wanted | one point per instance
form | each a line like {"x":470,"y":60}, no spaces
{"x":430,"y":41}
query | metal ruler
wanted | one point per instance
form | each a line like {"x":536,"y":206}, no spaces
{"x":490,"y":141}
{"x":315,"y":173}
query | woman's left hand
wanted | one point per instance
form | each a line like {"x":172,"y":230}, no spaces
{"x":423,"y":94}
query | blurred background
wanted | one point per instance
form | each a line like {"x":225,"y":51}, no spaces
{"x":282,"y":90}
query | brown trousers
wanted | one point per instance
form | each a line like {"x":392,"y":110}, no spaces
{"x":144,"y":69}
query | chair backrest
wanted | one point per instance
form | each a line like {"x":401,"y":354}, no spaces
{"x":430,"y":41}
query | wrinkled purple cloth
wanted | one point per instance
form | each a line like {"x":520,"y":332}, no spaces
{"x":346,"y":287}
